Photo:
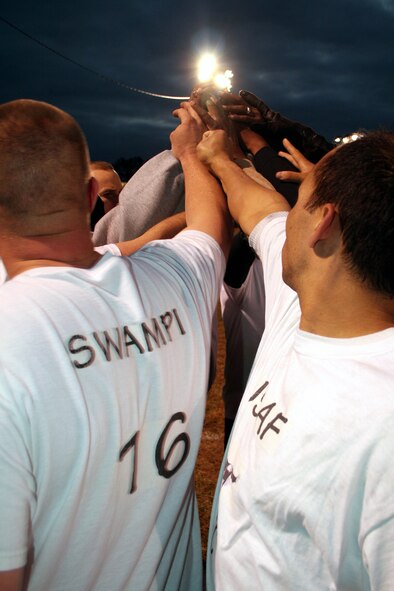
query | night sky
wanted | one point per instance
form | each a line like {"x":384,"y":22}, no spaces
{"x":328,"y":64}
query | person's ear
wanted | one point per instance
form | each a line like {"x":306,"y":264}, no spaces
{"x":325,"y":224}
{"x":92,"y":192}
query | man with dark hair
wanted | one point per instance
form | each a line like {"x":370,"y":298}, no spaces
{"x":367,"y":229}
{"x":305,"y":498}
{"x":104,"y":368}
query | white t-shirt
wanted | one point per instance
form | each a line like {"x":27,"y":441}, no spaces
{"x":112,"y":248}
{"x":305,"y":500}
{"x":102,"y":397}
{"x":3,"y":272}
{"x":243,"y":319}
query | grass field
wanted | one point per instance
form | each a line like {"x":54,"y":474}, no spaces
{"x":212,"y":447}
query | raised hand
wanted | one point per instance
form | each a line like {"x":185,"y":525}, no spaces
{"x":239,"y":110}
{"x":298,"y":160}
{"x":214,"y":146}
{"x":188,"y":134}
{"x":248,"y":109}
{"x":215,"y":117}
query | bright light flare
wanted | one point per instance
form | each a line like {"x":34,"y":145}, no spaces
{"x":349,"y":138}
{"x":208,"y":72}
{"x":223,"y":81}
{"x":207,"y":67}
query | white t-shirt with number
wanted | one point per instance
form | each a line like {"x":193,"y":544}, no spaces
{"x":305,"y":500}
{"x":102,"y":397}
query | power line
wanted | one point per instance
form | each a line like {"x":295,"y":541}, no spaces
{"x":103,"y":76}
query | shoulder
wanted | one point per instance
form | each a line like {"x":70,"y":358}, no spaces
{"x":192,"y":256}
{"x":186,"y":245}
{"x":271,"y":230}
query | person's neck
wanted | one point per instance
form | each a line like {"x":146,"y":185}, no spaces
{"x":344,"y":309}
{"x":72,"y":248}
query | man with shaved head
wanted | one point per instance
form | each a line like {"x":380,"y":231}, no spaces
{"x":104,"y":367}
{"x":109,"y":188}
{"x":109,"y":183}
{"x":46,"y":189}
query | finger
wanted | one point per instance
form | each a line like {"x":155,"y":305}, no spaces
{"x":257,"y":103}
{"x":205,"y":116}
{"x":207,"y":134}
{"x":290,"y":176}
{"x":182,"y":114}
{"x":192,"y":112}
{"x":237,"y":109}
{"x":252,"y":99}
{"x":242,"y":112}
{"x":290,"y":158}
{"x":217,"y":113}
{"x":244,"y":119}
{"x":228,"y":98}
{"x":210,"y":134}
{"x":302,"y":162}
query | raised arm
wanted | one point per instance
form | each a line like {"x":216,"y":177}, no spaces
{"x":297,"y":159}
{"x":12,"y":580}
{"x":249,"y":202}
{"x":167,"y":228}
{"x":206,"y":206}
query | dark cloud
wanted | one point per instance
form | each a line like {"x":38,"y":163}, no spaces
{"x":327,"y":64}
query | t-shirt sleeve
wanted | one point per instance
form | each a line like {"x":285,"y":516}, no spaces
{"x":112,"y":248}
{"x":267,"y":240}
{"x":196,"y":258}
{"x":17,"y":488}
{"x":377,"y":519}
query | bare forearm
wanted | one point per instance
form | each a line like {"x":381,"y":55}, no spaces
{"x":165,"y":229}
{"x":206,"y":205}
{"x":12,"y":580}
{"x":248,"y":201}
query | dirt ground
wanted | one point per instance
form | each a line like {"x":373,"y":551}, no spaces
{"x":212,"y":447}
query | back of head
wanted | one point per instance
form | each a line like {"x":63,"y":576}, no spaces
{"x":43,"y":161}
{"x":101,"y":165}
{"x":359,"y":179}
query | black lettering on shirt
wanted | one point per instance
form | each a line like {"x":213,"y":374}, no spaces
{"x":183,"y":331}
{"x":74,"y":351}
{"x":156,"y":335}
{"x":271,"y":424}
{"x":166,"y":320}
{"x":258,"y":391}
{"x":109,"y":342}
{"x":132,"y":341}
{"x":115,"y":343}
{"x":262,"y":412}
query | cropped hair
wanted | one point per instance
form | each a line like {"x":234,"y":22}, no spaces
{"x":44,"y":158}
{"x":102,"y":165}
{"x":358,"y":178}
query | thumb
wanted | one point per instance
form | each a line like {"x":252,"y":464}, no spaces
{"x":256,"y":102}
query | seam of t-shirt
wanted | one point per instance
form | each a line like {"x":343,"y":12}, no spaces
{"x":317,"y":346}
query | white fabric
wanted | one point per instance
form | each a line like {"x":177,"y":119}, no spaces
{"x":243,"y":310}
{"x":112,"y":248}
{"x":3,"y":272}
{"x":243,"y":319}
{"x":94,"y":361}
{"x":306,"y":497}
